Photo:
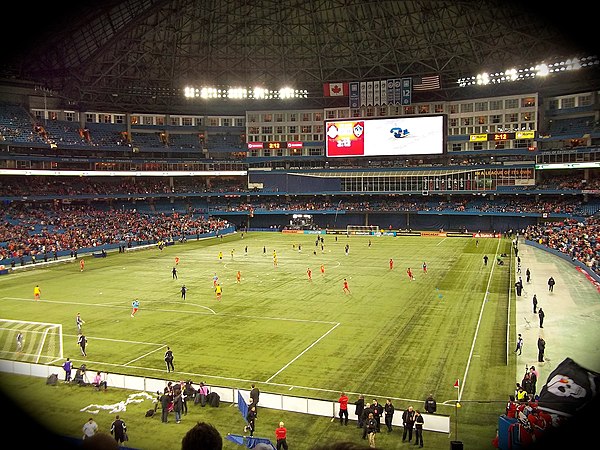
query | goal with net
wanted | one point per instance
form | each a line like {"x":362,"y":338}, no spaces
{"x":367,"y":230}
{"x":34,"y":342}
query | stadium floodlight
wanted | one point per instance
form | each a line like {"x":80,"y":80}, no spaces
{"x":286,"y":92}
{"x":260,"y":93}
{"x":539,"y":70}
{"x":483,"y":78}
{"x":542,"y":70}
{"x":238,"y":93}
{"x":189,"y":92}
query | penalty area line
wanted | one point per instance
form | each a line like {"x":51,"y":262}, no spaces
{"x":302,"y":353}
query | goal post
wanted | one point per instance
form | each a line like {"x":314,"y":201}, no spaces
{"x":365,"y":230}
{"x":40,"y":343}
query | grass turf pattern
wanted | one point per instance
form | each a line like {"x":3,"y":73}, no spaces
{"x":390,"y":337}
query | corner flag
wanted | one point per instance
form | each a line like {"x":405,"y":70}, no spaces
{"x":457,"y":384}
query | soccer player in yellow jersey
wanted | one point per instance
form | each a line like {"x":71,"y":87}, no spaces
{"x":218,"y":291}
{"x":37,"y":292}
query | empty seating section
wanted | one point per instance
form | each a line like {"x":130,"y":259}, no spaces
{"x":65,"y":133}
{"x":184,"y":141}
{"x":17,"y":125}
{"x":107,"y":134}
{"x":223,"y":142}
{"x":572,"y":127}
{"x":148,"y":140}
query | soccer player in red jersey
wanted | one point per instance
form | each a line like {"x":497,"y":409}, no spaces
{"x":322,"y":269}
{"x":309,"y":273}
{"x":391,"y":263}
{"x":238,"y":277}
{"x":410,"y":275}
{"x":346,"y":288}
{"x":81,"y":264}
{"x":424,"y":267}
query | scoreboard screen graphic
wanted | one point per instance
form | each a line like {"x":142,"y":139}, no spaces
{"x":385,"y":137}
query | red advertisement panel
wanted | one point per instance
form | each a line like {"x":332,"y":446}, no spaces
{"x":346,"y":138}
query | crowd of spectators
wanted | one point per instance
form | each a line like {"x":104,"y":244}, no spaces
{"x":20,"y":186}
{"x":579,"y":240}
{"x":41,"y":230}
{"x":520,"y":205}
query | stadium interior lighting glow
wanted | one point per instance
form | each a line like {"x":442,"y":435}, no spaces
{"x":242,"y":93}
{"x":539,"y":70}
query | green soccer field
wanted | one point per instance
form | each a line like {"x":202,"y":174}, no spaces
{"x":390,"y":337}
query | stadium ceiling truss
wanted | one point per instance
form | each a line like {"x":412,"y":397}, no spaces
{"x":138,"y":55}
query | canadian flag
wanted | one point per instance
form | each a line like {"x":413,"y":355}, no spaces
{"x":335,"y":89}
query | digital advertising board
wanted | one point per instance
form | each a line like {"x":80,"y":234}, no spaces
{"x":386,"y":137}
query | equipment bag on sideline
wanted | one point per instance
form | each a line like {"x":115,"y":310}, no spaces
{"x":214,"y":399}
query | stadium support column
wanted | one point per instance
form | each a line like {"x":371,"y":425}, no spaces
{"x":366,"y":219}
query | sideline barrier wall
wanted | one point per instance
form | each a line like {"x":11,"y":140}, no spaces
{"x":324,"y":408}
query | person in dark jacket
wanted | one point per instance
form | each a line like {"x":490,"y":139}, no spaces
{"x":408,"y":421}
{"x":419,"y":421}
{"x":254,"y":396}
{"x":177,"y":402}
{"x":389,"y":414}
{"x":359,"y":408}
{"x":118,"y":430}
{"x":430,"y":404}
{"x":365,"y":415}
{"x":377,"y":413}
{"x":169,"y":360}
{"x":165,"y":401}
{"x":371,"y":429}
{"x":541,"y":348}
{"x":189,"y":393}
{"x":527,"y":384}
{"x":251,"y":419}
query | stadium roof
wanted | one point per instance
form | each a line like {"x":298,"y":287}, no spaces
{"x":138,"y":55}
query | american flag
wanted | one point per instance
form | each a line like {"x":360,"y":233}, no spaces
{"x":428,"y":83}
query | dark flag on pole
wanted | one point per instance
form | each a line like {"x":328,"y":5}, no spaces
{"x":569,"y":388}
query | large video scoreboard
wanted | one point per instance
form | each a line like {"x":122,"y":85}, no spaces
{"x":386,"y":137}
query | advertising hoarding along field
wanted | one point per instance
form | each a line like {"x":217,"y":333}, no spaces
{"x":386,"y":137}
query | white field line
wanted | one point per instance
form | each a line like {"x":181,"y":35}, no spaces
{"x":303,"y":352}
{"x":487,"y":290}
{"x":144,"y":355}
{"x":212,"y":312}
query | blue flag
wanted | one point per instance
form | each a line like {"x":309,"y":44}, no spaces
{"x":242,"y":405}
